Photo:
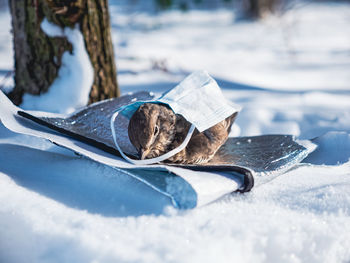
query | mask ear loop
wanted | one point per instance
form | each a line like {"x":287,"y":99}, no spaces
{"x":152,"y":160}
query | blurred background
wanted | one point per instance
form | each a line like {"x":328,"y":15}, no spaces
{"x":290,"y":44}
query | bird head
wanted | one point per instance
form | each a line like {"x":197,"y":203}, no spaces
{"x":152,"y":129}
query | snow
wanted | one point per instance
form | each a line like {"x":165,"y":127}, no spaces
{"x":295,"y":51}
{"x":71,"y":89}
{"x":291,"y":74}
{"x":6,"y":51}
{"x":333,"y":149}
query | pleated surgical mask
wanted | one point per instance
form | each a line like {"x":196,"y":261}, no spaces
{"x":197,"y":98}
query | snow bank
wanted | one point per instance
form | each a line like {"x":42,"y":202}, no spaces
{"x":293,"y":51}
{"x":292,"y":219}
{"x":71,"y":89}
{"x":333,"y":149}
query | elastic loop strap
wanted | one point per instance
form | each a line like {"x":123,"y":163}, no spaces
{"x":152,"y":160}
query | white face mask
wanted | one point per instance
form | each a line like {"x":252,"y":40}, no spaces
{"x":197,"y":98}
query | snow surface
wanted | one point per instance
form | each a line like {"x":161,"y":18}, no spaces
{"x":291,"y":74}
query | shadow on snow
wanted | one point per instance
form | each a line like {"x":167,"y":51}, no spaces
{"x":80,"y":183}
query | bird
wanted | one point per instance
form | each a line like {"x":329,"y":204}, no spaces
{"x":155,"y":129}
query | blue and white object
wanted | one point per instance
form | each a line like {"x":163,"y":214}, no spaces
{"x":185,"y":188}
{"x":262,"y":157}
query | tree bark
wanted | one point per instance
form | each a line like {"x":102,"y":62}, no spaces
{"x":38,"y":57}
{"x":255,"y":9}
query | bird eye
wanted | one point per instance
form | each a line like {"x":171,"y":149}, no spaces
{"x":156,"y":130}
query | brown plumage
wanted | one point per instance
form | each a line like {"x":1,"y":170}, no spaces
{"x":154,"y":129}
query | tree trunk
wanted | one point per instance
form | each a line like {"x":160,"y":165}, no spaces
{"x":254,"y":9}
{"x":38,"y":57}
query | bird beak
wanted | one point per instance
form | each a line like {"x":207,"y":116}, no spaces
{"x":143,"y":153}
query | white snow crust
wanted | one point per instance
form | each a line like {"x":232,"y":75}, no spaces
{"x":291,"y":74}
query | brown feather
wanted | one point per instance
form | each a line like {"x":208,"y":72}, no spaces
{"x":156,"y":129}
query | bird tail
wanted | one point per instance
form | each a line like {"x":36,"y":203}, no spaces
{"x":229,"y":121}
